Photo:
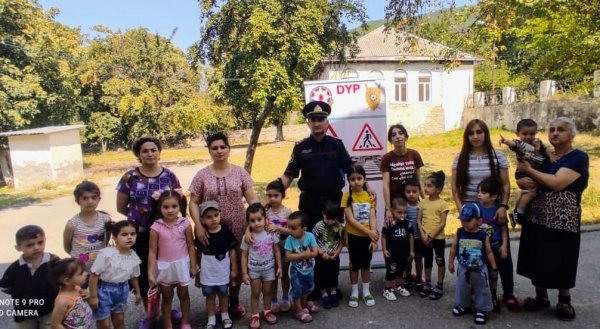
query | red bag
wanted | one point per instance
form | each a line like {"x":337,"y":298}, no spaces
{"x":153,"y":304}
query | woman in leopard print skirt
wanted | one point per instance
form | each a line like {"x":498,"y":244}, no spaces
{"x":549,"y":248}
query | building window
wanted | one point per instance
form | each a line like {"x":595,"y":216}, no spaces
{"x":376,"y":74}
{"x":349,"y":74}
{"x":400,"y":91}
{"x":424,"y":86}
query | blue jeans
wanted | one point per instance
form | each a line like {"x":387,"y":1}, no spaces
{"x":301,"y":283}
{"x":112,"y":298}
{"x":215,"y":290}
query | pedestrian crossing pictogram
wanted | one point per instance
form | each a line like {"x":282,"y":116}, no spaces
{"x":367,"y":140}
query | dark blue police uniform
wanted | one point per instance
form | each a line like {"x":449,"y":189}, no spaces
{"x":323,"y":166}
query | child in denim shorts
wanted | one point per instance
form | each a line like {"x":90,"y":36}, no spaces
{"x":301,"y":249}
{"x":111,"y":272}
{"x":261,"y":264}
{"x":218,"y":263}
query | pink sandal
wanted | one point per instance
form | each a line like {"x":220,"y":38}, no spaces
{"x":312,"y":308}
{"x":303,"y":316}
{"x":254,"y":322}
{"x":285,"y":306}
{"x":270,"y":317}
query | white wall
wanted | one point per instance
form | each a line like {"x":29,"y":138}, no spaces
{"x":46,"y":158}
{"x":448,"y":88}
{"x":30,"y":157}
{"x":65,"y":150}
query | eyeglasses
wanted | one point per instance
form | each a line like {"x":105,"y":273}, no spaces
{"x":316,"y":119}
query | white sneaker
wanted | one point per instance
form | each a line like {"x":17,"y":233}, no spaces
{"x":369,"y":300}
{"x":400,"y":290}
{"x":389,"y":294}
{"x":353,"y":302}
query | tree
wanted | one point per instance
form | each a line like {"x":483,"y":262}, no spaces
{"x":539,"y":39}
{"x":102,"y":127}
{"x":556,"y":39}
{"x":146,"y":82}
{"x":38,"y":67}
{"x":262,"y":50}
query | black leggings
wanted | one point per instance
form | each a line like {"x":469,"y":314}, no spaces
{"x":142,"y":249}
{"x":505,"y":269}
{"x":437,"y":245}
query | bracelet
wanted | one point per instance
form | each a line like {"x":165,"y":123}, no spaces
{"x":502,"y":205}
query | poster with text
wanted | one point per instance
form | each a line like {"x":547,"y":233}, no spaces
{"x":358,"y":118}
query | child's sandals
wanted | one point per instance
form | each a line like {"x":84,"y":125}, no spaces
{"x":270,"y":318}
{"x":254,"y":322}
{"x":436,"y":294}
{"x":312,"y":307}
{"x":285,"y":306}
{"x":303,"y":316}
{"x":480,"y":318}
{"x":460,"y":311}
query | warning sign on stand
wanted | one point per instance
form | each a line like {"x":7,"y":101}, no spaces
{"x":331,"y":131}
{"x":367,"y":140}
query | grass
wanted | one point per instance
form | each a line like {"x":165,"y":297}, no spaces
{"x":438,"y":152}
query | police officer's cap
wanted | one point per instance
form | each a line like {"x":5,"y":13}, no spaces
{"x":316,"y":108}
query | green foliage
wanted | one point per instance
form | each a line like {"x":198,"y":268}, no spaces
{"x":145,"y":82}
{"x":102,"y":127}
{"x":558,"y":39}
{"x":525,"y":40}
{"x":262,"y":51}
{"x":503,"y":77}
{"x":38,"y":67}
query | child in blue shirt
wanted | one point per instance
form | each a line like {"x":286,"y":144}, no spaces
{"x":301,"y":250}
{"x":488,"y":193}
{"x":471,"y":246}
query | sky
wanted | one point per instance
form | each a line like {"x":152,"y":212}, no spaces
{"x":159,"y":16}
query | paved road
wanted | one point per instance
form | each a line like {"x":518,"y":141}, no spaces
{"x":408,"y":312}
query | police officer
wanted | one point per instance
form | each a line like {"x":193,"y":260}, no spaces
{"x":322,"y":161}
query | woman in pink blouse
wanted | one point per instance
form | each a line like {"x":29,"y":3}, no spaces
{"x":229,"y":185}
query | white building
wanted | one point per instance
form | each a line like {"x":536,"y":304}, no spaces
{"x":426,"y":84}
{"x":46,"y":154}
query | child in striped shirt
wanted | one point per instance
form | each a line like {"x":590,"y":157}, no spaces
{"x":85,"y":233}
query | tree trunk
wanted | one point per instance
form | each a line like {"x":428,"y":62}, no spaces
{"x":279,"y":135}
{"x":256,"y":128}
{"x":103,"y":146}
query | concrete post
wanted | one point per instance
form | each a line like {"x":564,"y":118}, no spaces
{"x":509,"y":95}
{"x":479,"y":99}
{"x":597,"y":84}
{"x":547,"y":89}
{"x":469,"y":101}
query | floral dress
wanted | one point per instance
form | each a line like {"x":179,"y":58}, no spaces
{"x":79,"y":315}
{"x":228,"y":191}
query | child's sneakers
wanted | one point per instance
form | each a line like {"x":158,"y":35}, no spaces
{"x":353,"y":301}
{"x":369,"y":300}
{"x":335,"y":301}
{"x":389,"y":294}
{"x":402,"y":291}
{"x":326,"y":302}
